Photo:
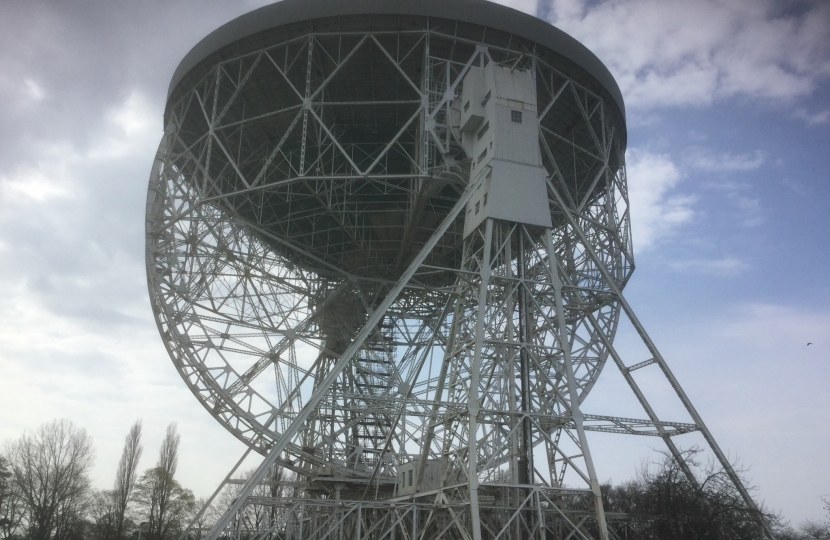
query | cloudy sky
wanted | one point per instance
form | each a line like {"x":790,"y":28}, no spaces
{"x":729,"y":151}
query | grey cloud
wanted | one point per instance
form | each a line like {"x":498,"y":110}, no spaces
{"x":82,"y":90}
{"x":673,"y":52}
{"x":76,"y":243}
{"x":87,"y":56}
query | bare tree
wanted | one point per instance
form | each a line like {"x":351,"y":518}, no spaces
{"x":164,"y":521}
{"x":809,"y":530}
{"x":11,"y":507}
{"x":813,"y":530}
{"x":162,"y":502}
{"x":277,"y":484}
{"x":201,"y":524}
{"x":51,"y":469}
{"x":126,"y":477}
{"x":168,"y":462}
{"x":664,"y":503}
{"x":101,"y":510}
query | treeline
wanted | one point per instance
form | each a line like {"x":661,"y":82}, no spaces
{"x":46,"y":492}
{"x":661,"y":503}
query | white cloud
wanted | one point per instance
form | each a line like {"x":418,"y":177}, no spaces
{"x":750,"y":210}
{"x":706,"y":160}
{"x":742,"y":197}
{"x":30,"y":185}
{"x":727,"y":266}
{"x":813,"y":118}
{"x":676,"y":52}
{"x":36,"y":93}
{"x":656,"y":209}
{"x":37,"y":182}
{"x":135,"y":115}
{"x":135,"y":129}
{"x":796,"y":186}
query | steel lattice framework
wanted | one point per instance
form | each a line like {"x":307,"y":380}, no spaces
{"x":312,"y":284}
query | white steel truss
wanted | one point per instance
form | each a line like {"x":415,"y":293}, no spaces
{"x":312,"y":285}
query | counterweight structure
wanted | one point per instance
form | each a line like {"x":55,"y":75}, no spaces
{"x":386,"y":248}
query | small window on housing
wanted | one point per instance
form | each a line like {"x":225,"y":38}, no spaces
{"x":516,"y":116}
{"x":485,"y":200}
{"x":482,"y":156}
{"x":486,"y":98}
{"x":410,"y":477}
{"x":483,"y":130}
{"x":466,"y":106}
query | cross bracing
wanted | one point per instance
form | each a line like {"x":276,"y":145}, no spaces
{"x":313,"y":286}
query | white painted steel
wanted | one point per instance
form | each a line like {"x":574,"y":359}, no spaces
{"x":315,"y":285}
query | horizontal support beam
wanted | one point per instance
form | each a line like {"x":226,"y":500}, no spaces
{"x":615,"y":424}
{"x":641,"y":365}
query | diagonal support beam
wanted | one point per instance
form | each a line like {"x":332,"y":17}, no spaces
{"x":282,"y":345}
{"x":200,"y":513}
{"x":397,"y":66}
{"x":375,"y":319}
{"x":681,"y":394}
{"x":576,"y":411}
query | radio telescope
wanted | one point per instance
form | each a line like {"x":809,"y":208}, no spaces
{"x":386,"y":249}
